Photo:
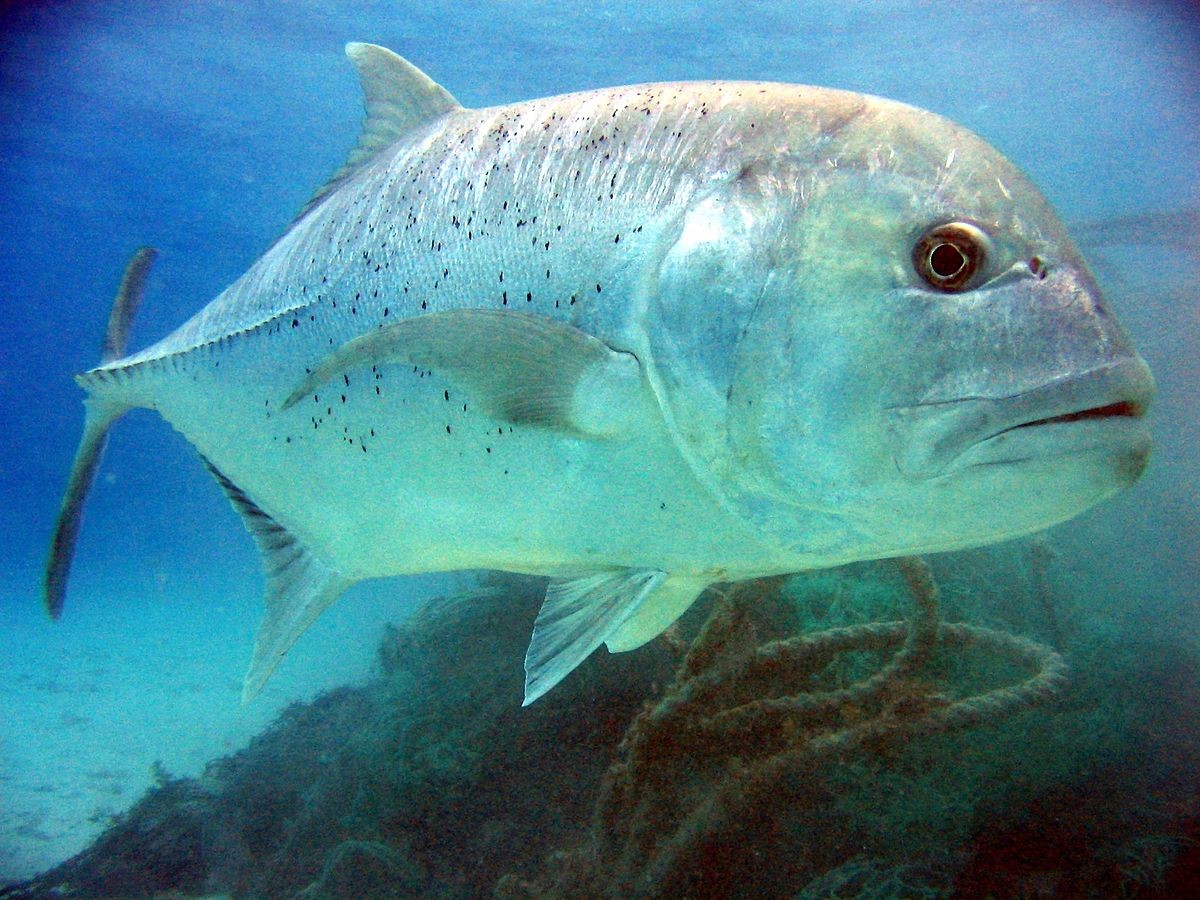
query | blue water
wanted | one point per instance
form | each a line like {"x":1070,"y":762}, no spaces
{"x":201,"y":128}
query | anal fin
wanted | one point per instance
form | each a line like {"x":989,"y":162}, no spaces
{"x":299,"y":585}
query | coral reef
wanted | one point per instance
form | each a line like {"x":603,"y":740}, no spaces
{"x":431,"y":780}
{"x":793,"y":738}
{"x":862,"y":878}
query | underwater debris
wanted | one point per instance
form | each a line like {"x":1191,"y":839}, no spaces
{"x":432,"y":782}
{"x":1145,"y":862}
{"x":1041,"y":556}
{"x":748,"y":746}
{"x":863,"y":878}
{"x":155,"y":847}
{"x":365,"y":870}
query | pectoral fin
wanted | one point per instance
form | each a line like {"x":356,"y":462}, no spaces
{"x":577,"y":616}
{"x":516,"y":367}
{"x":299,"y":585}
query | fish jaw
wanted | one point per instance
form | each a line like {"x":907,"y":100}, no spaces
{"x":1098,"y":412}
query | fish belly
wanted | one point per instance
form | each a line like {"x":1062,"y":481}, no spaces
{"x":391,"y":471}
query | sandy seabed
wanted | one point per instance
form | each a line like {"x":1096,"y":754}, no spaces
{"x":96,"y":706}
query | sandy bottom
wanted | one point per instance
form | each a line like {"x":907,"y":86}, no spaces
{"x":93,"y":705}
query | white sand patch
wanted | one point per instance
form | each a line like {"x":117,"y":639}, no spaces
{"x":91,"y":704}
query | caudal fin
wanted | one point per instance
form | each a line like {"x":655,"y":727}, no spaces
{"x":101,"y":414}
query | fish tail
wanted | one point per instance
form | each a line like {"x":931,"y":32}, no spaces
{"x":102,"y":412}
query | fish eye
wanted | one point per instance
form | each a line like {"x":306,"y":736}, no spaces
{"x":948,"y":256}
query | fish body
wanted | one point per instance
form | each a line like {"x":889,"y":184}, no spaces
{"x":640,"y":340}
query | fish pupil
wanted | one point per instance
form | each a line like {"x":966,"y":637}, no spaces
{"x":946,"y":260}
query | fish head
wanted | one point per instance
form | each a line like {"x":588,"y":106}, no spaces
{"x":894,"y":345}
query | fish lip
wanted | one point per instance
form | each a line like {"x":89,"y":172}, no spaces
{"x":1132,"y":404}
{"x":1117,"y":435}
{"x":1100,"y":409}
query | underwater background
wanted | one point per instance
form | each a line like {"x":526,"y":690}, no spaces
{"x":201,"y":128}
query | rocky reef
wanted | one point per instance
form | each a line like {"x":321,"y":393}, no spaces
{"x":827,"y":735}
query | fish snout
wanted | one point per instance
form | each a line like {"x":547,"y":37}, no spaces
{"x":1101,"y":410}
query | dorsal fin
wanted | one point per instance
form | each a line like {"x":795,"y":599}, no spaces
{"x":398,"y":97}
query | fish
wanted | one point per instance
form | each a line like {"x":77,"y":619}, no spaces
{"x":638,"y":340}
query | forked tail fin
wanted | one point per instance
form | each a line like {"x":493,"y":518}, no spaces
{"x":101,"y":414}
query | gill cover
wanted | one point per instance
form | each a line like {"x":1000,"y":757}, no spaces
{"x":711,"y":283}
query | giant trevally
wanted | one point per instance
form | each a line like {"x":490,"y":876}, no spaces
{"x":638,"y":340}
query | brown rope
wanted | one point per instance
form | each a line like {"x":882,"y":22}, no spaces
{"x":643,"y":834}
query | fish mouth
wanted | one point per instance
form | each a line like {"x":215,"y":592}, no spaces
{"x":1099,"y":411}
{"x":1132,"y":409}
